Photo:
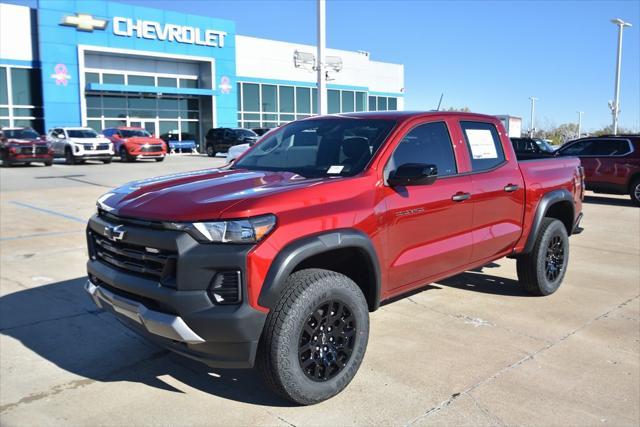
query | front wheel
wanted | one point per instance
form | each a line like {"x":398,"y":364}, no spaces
{"x":541,"y":271}
{"x":124,"y":156}
{"x":634,"y":191}
{"x":107,"y":161}
{"x":160,"y":159}
{"x":69,"y":157}
{"x":315,"y":338}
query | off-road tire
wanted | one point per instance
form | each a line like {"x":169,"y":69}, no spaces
{"x":69,"y":158}
{"x":634,"y":191}
{"x":278,"y":359}
{"x":532,"y":268}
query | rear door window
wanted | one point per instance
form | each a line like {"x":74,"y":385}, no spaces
{"x":610,"y":147}
{"x":483,"y":143}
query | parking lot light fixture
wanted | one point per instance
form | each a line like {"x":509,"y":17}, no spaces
{"x":532,"y":129}
{"x":580,"y":113}
{"x":615,"y":106}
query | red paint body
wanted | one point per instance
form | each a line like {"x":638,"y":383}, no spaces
{"x":135,"y":145}
{"x":24,"y":150}
{"x":457,"y":235}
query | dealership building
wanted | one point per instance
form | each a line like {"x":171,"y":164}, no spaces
{"x":102,"y":64}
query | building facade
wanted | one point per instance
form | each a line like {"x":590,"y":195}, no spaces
{"x":102,"y":64}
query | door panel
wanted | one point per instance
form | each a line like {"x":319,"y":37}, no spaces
{"x":428,"y":233}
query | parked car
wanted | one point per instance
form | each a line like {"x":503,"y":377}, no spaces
{"x":77,"y":144}
{"x":132,"y":143}
{"x":176,"y":142}
{"x":532,"y":148}
{"x":279,"y":258}
{"x":23,"y":145}
{"x":261,"y":131}
{"x":237,"y":150}
{"x":219,"y":140}
{"x":611,"y":163}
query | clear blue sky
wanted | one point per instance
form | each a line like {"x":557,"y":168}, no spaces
{"x":490,"y":56}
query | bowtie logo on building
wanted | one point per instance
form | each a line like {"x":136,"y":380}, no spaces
{"x":84,"y":22}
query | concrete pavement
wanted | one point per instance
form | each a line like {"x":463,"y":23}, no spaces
{"x":470,"y":350}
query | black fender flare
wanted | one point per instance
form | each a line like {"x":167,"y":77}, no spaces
{"x":548,"y":200}
{"x":301,"y":249}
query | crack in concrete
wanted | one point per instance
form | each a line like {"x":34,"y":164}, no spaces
{"x":444,"y":404}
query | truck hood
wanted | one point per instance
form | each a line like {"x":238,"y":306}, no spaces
{"x":27,"y":142}
{"x":196,"y":196}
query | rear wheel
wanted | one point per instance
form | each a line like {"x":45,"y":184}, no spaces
{"x":69,"y":157}
{"x":315,"y":338}
{"x":634,"y":191}
{"x":210,"y":151}
{"x":541,"y":272}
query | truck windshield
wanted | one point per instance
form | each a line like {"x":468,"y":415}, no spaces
{"x":21,"y":133}
{"x":82,"y":133}
{"x":319,"y":147}
{"x":131,"y":133}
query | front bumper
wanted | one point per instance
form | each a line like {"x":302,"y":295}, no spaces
{"x":177,"y":311}
{"x":24,"y":158}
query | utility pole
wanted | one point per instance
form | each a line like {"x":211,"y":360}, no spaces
{"x":320,"y":66}
{"x":579,"y":122}
{"x":532,"y":129}
{"x":615,"y":107}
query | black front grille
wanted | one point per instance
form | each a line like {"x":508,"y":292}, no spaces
{"x":96,"y":147}
{"x":150,"y":263}
{"x":32,"y":150}
{"x":151,"y":149}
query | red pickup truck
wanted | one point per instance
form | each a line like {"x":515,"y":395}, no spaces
{"x":278,"y":258}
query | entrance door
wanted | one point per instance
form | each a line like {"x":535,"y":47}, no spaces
{"x":148,"y":125}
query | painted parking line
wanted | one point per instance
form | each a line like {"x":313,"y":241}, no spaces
{"x":49,"y":211}
{"x":33,"y":236}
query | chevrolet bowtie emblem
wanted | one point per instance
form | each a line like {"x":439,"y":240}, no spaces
{"x":114,"y":233}
{"x":84,"y":22}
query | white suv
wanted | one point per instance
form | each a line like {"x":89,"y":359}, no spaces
{"x":79,"y":144}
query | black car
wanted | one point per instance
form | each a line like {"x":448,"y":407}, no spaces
{"x":531,"y":148}
{"x":220,"y":139}
{"x":261,"y":131}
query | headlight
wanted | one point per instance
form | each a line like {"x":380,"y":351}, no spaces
{"x":250,"y":230}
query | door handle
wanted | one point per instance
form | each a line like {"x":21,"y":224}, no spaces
{"x":460,"y":196}
{"x":509,"y":188}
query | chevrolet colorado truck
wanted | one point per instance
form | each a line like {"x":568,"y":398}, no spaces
{"x":278,"y":258}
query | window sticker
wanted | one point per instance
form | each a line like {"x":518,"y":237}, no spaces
{"x":481,"y":143}
{"x":335,"y":169}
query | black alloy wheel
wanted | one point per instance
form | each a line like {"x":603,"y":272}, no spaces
{"x":327,"y":340}
{"x":555,"y":258}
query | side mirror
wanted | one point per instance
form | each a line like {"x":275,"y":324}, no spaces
{"x":413,"y":174}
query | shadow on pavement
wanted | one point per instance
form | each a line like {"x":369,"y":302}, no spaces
{"x":477,"y":281}
{"x":608,"y":201}
{"x":61,"y":324}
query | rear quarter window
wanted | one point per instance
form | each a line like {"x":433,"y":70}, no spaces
{"x":483,"y":144}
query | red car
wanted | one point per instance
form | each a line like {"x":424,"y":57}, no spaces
{"x":24,"y":145}
{"x":132,"y":143}
{"x":611,"y":163}
{"x":278,"y":259}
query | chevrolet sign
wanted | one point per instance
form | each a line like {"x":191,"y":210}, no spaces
{"x":84,"y":22}
{"x":152,"y":30}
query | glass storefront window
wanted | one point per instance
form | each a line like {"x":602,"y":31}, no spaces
{"x":314,"y":101}
{"x":286,"y":99}
{"x":167,"y":104}
{"x":119,"y":102}
{"x":382,"y":103}
{"x":269,"y":98}
{"x":28,"y":112}
{"x":25,"y":86}
{"x":94,"y":112}
{"x":303,"y":100}
{"x":91,"y":78}
{"x":347,"y":101}
{"x":333,"y":101}
{"x":94,"y":101}
{"x":114,"y":123}
{"x":141,"y":81}
{"x":4,"y":94}
{"x":167,"y":82}
{"x":361,"y":99}
{"x":166,"y":127}
{"x":373,"y":106}
{"x":95,"y":125}
{"x":113,"y":79}
{"x":4,"y":111}
{"x":142,"y":103}
{"x":250,"y":97}
{"x":189,"y":83}
{"x":393,"y":104}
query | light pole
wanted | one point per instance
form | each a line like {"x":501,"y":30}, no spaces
{"x":580,"y":113}
{"x":322,"y":93}
{"x":615,"y":107}
{"x":533,"y":112}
